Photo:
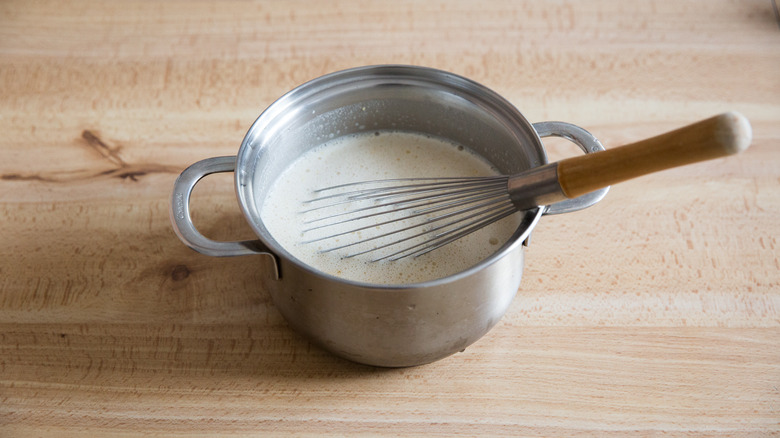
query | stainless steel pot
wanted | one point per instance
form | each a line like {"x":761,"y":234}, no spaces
{"x":376,"y":324}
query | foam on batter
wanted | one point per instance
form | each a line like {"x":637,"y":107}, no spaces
{"x":369,"y":156}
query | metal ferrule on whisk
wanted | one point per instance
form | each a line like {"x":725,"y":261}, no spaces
{"x":535,"y":187}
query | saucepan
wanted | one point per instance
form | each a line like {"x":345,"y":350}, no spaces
{"x":386,"y":325}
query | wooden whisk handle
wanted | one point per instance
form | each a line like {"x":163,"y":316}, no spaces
{"x":716,"y":137}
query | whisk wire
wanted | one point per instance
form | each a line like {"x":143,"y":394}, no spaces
{"x":380,"y":198}
{"x":440,"y":241}
{"x":500,"y":204}
{"x":422,"y":213}
{"x":431,"y":207}
{"x":488,"y":202}
{"x":389,"y":188}
{"x":391,"y":183}
{"x":446,"y":187}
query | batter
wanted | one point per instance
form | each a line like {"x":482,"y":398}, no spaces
{"x":369,"y":156}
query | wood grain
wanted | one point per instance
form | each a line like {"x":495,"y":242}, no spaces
{"x":655,"y":312}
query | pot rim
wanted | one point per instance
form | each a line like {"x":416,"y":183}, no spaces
{"x":378,"y":72}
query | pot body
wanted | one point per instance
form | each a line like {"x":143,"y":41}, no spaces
{"x":384,"y":325}
{"x":398,"y":326}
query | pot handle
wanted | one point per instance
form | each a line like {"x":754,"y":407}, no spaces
{"x":589,"y":144}
{"x":182,"y":222}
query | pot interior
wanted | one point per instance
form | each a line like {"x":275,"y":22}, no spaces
{"x":406,"y":99}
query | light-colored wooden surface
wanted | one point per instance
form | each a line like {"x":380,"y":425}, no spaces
{"x":656,"y":312}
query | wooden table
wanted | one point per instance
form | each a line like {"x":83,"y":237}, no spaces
{"x":655,"y":312}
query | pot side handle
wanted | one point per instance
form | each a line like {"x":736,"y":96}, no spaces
{"x":182,"y":222}
{"x":589,"y":144}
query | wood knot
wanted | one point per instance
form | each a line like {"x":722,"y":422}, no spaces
{"x":179,"y":273}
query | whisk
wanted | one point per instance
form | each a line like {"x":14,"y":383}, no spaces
{"x":409,"y":217}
